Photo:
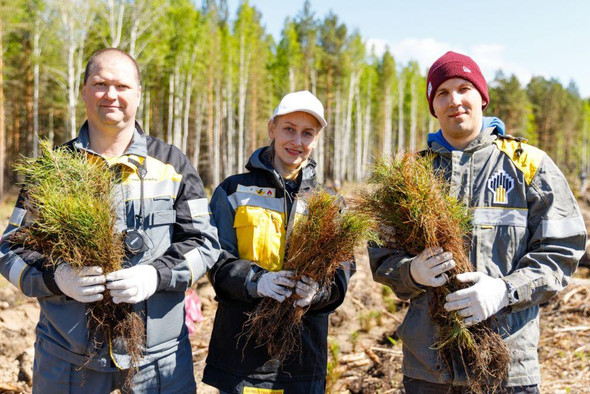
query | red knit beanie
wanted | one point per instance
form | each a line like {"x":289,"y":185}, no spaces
{"x":454,"y":65}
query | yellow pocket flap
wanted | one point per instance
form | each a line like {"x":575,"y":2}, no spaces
{"x":250,"y":216}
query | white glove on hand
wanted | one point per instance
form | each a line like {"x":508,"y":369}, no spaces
{"x":476,"y":303}
{"x":306,"y":289}
{"x":132,"y":285}
{"x":276,"y":285}
{"x":429,"y":267}
{"x":84,"y":284}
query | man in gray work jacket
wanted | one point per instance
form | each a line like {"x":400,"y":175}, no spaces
{"x":528,"y":235}
{"x":165,"y":208}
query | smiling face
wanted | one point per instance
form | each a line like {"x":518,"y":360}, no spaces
{"x":458,"y":106}
{"x":111,"y":93}
{"x":295,"y":136}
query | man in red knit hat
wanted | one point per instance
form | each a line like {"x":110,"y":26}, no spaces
{"x":528,"y":235}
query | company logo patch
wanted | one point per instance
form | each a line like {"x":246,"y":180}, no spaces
{"x":466,"y":69}
{"x":429,"y":88}
{"x":259,"y":191}
{"x":500,"y":184}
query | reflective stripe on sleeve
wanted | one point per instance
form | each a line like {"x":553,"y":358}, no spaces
{"x":195,"y":264}
{"x":18,"y":214}
{"x":198,"y":207}
{"x":16,"y":271}
{"x":561,"y":228}
{"x":152,"y":189}
{"x":239,"y":199}
{"x":301,"y":207}
{"x":500,"y":216}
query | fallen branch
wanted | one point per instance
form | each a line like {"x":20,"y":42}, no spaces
{"x":569,"y":329}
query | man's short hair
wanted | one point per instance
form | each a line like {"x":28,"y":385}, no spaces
{"x":97,"y":54}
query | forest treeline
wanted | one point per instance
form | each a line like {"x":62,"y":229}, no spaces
{"x":210,"y":81}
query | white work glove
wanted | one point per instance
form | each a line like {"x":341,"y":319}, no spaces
{"x":83,"y":284}
{"x":132,"y":285}
{"x":478,"y":302}
{"x":306,"y":289}
{"x":276,"y":285}
{"x":429,"y":267}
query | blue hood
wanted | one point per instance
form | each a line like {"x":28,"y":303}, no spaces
{"x":488,"y":121}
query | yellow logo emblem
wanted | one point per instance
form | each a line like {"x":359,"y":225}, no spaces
{"x":500,"y":184}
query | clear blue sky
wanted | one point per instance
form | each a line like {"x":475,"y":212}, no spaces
{"x":542,"y":37}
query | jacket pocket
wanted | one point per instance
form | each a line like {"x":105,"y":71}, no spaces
{"x":261,"y":236}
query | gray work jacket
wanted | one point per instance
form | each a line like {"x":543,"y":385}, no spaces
{"x":527,"y":229}
{"x":182,"y":240}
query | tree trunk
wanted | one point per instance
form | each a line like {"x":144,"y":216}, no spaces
{"x":387,"y":127}
{"x":177,"y":123}
{"x":231,"y":129}
{"x":400,"y":112}
{"x":71,"y":94}
{"x":171,"y":94}
{"x":337,"y":139}
{"x":367,"y":131}
{"x":188,"y":90}
{"x":36,"y":57}
{"x":76,"y":17}
{"x":115,"y":16}
{"x":198,"y":130}
{"x":347,"y":137}
{"x":210,"y":114}
{"x":2,"y":125}
{"x":217,"y":136}
{"x":51,"y":134}
{"x":146,"y":110}
{"x":253,"y":132}
{"x":242,"y":85}
{"x":291,"y":79}
{"x":358,"y":163}
{"x":413,"y":115}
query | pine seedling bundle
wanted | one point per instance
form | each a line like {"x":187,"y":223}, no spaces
{"x":71,"y":203}
{"x":320,"y":242}
{"x":414,"y":210}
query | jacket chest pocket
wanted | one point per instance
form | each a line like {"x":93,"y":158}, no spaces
{"x":261,"y":236}
{"x":158,"y":225}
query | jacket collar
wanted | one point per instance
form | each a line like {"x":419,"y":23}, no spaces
{"x":138,"y":146}
{"x":485,"y":138}
{"x":261,"y":160}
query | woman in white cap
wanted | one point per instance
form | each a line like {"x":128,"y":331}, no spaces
{"x":252,"y":212}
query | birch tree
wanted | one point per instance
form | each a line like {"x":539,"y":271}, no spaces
{"x":37,"y":31}
{"x":76,"y":17}
{"x":332,"y":40}
{"x":288,"y":62}
{"x":115,"y":10}
{"x":355,"y":54}
{"x":388,"y":83}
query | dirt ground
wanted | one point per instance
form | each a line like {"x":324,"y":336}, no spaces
{"x":365,"y":356}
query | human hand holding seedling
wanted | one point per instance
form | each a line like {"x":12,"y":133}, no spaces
{"x":132,"y":285}
{"x":429,"y":267}
{"x":276,"y":285}
{"x":83,"y":284}
{"x":478,"y":302}
{"x":306,"y":289}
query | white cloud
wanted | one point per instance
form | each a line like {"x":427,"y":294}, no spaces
{"x":377,"y":46}
{"x":490,"y":57}
{"x":423,"y":50}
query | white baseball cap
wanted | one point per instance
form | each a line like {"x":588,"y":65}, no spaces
{"x":302,"y":101}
